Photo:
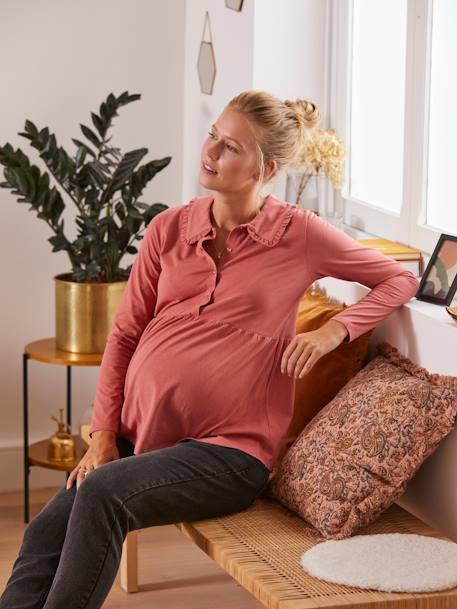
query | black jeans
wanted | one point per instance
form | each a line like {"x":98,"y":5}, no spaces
{"x":71,"y":549}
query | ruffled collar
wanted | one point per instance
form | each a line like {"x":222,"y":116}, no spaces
{"x":267,"y":227}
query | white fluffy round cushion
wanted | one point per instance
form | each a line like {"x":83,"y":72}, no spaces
{"x":393,"y":562}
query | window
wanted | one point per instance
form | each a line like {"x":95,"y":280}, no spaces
{"x":392,"y":97}
{"x":441,"y":207}
{"x":377,"y":103}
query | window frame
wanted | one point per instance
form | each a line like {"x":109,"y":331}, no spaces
{"x":409,"y":226}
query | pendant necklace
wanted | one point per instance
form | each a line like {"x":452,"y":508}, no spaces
{"x":228,"y":249}
{"x":218,"y":253}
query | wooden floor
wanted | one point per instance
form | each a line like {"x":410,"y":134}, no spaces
{"x":173,"y":572}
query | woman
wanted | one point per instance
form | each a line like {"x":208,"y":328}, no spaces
{"x":196,"y":385}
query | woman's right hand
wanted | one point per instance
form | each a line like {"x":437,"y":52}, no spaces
{"x":102,"y":449}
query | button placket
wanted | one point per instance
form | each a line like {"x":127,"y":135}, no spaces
{"x":214,"y":270}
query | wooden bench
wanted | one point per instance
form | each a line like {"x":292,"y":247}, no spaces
{"x":260,"y":547}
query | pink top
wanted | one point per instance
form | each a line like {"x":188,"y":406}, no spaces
{"x":195,"y":351}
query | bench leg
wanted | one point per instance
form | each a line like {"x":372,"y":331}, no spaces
{"x":128,"y":569}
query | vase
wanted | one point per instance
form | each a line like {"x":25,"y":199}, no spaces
{"x":327,"y":210}
{"x":302,"y":189}
{"x":84,"y":313}
{"x":313,"y":192}
{"x":326,"y":202}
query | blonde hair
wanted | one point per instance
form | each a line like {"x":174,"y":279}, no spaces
{"x":280,"y":127}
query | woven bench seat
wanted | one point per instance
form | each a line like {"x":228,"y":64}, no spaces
{"x":260,"y":548}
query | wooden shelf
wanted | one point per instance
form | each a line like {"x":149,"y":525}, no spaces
{"x":38,"y":455}
{"x":45,"y":350}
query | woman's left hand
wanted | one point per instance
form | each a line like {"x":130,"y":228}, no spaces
{"x":306,"y":348}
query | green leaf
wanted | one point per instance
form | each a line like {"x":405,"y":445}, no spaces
{"x":82,"y":145}
{"x":144,"y":174}
{"x":59,"y":242}
{"x":90,"y":135}
{"x":43,"y":134}
{"x":21,"y":180}
{"x":153,"y":210}
{"x":120,"y":210}
{"x":44,"y":180}
{"x":98,"y":179}
{"x":99,"y":124}
{"x":56,"y":206}
{"x":134,"y":213}
{"x":31,"y":188}
{"x":80,"y":155}
{"x":11,"y":158}
{"x":31,"y":129}
{"x":105,"y":112}
{"x":123,"y":171}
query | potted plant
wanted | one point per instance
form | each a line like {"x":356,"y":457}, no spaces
{"x":105,"y":185}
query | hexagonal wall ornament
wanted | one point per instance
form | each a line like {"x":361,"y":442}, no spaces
{"x":206,"y":64}
{"x":235,"y":5}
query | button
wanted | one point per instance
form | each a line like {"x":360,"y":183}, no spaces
{"x":229,"y":249}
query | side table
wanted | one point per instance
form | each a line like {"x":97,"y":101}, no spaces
{"x":45,"y":351}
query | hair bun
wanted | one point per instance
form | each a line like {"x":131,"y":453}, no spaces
{"x":306,"y":113}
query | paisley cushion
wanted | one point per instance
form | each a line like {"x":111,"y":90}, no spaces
{"x":356,"y":456}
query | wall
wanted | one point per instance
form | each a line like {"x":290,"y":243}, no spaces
{"x":231,"y":34}
{"x":60,"y":60}
{"x":276,"y":46}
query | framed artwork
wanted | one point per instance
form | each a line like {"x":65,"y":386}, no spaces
{"x":439,"y":281}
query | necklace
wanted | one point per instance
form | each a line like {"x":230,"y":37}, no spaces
{"x":228,"y":249}
{"x":218,"y":253}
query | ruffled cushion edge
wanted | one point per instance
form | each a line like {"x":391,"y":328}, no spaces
{"x":393,"y":355}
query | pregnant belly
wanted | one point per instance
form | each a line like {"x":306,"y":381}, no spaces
{"x":200,"y":373}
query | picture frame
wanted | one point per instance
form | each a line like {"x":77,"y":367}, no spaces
{"x":439,"y":282}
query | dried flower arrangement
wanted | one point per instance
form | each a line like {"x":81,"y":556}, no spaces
{"x":323,"y":151}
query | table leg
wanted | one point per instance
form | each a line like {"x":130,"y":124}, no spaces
{"x":69,"y":395}
{"x":69,"y":402}
{"x":25,"y":402}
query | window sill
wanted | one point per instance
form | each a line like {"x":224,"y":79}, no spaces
{"x":427,"y":308}
{"x":435,"y":312}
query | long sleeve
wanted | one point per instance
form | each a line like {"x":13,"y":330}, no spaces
{"x":332,"y":253}
{"x":135,"y":310}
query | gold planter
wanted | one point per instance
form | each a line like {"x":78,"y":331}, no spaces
{"x":85,"y":313}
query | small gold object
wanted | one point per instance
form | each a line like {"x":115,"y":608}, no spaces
{"x":61,"y":445}
{"x":452,"y":312}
